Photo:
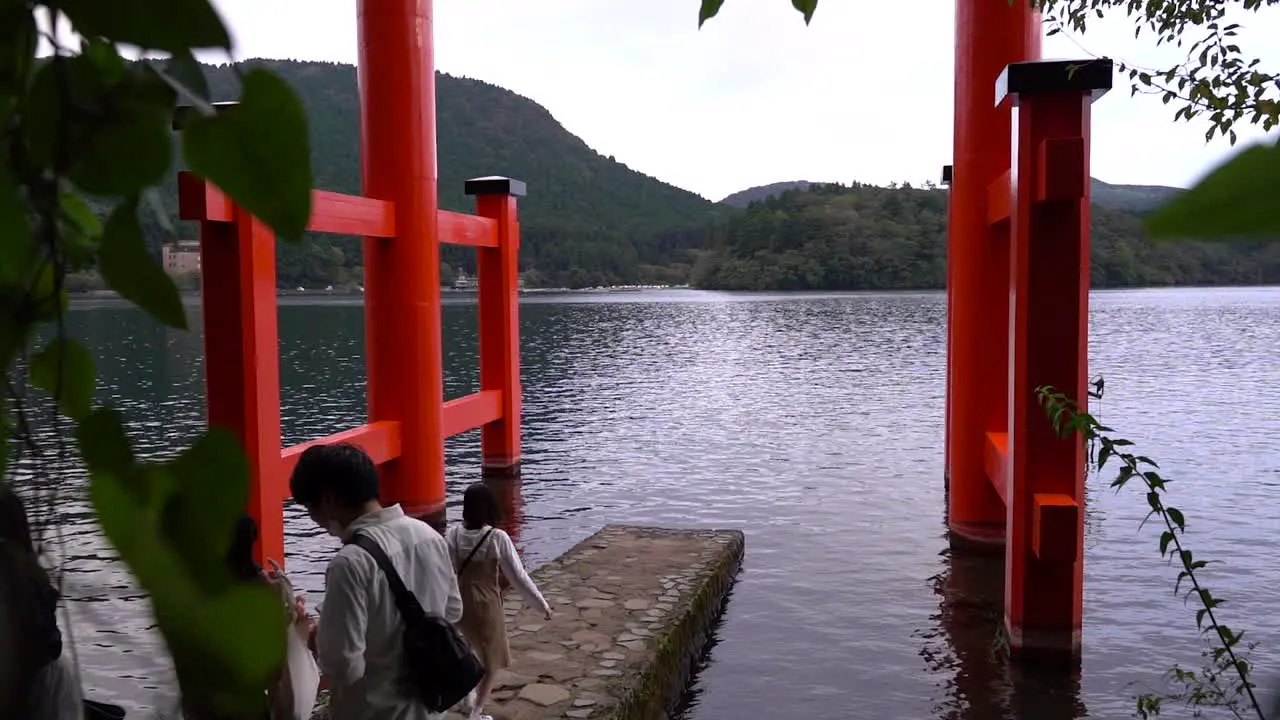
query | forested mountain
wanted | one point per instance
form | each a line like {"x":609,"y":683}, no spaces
{"x":1138,"y":198}
{"x":743,"y":198}
{"x":587,"y":220}
{"x":834,"y":237}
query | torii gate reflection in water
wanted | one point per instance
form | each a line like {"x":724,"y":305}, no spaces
{"x":1018,"y":282}
{"x":1017,"y":314}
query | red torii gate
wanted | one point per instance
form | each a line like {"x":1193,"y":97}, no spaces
{"x":1017,"y":295}
{"x":402,"y":225}
{"x":1017,"y":314}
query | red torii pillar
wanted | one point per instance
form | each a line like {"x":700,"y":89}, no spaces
{"x":990,"y":34}
{"x":1049,"y":340}
{"x":402,"y":277}
{"x":1018,"y":283}
{"x":402,"y":301}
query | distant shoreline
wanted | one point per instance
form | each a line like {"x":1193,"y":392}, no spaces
{"x":189,"y":295}
{"x":193,"y":297}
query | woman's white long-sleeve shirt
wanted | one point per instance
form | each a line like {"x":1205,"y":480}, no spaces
{"x":462,"y":541}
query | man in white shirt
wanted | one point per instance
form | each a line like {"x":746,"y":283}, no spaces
{"x":358,"y":640}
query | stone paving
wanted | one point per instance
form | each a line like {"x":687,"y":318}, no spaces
{"x":633,"y":609}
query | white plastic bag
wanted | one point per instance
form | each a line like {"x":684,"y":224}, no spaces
{"x":302,"y":674}
{"x":295,"y":695}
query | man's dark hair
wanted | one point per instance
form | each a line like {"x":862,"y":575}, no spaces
{"x":480,"y":507}
{"x":342,"y":470}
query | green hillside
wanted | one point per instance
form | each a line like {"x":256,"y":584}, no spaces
{"x":743,"y":198}
{"x":1136,"y":198}
{"x":587,"y":220}
{"x":590,"y":220}
{"x":834,"y":237}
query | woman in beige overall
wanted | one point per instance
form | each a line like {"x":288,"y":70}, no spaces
{"x":480,"y":551}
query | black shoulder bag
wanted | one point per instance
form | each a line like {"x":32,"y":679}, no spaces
{"x":442,"y":668}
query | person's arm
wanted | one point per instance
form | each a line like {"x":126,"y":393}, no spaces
{"x":340,"y":632}
{"x":451,"y":544}
{"x":513,"y":569}
{"x":453,"y":606}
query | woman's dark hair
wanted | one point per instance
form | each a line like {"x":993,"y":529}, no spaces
{"x":240,"y":556}
{"x":480,"y":507}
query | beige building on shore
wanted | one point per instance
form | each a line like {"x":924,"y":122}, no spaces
{"x":181,"y":258}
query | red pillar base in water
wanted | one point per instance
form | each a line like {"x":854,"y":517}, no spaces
{"x":1048,"y":341}
{"x":977,"y":538}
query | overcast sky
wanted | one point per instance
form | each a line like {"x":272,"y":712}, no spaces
{"x":863,"y":94}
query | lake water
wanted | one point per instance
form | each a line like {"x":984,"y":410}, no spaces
{"x":815,"y":424}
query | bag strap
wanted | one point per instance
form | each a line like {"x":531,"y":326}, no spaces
{"x":474,"y":550}
{"x":406,"y":601}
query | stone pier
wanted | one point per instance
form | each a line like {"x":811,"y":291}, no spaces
{"x":633,"y":609}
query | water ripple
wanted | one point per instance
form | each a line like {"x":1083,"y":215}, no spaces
{"x":812,"y":422}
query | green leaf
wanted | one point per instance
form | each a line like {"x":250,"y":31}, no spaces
{"x":64,"y":368}
{"x":103,"y":444}
{"x":81,"y":230}
{"x":226,"y":638}
{"x":16,"y":246}
{"x":103,"y":123}
{"x":183,"y":70}
{"x":1175,"y":517}
{"x":257,"y":153}
{"x":1165,"y":538}
{"x":708,"y":10}
{"x":18,"y":36}
{"x":807,"y":7}
{"x":76,"y":211}
{"x":1103,"y":455}
{"x":227,"y":649}
{"x":6,"y":428}
{"x":215,"y":484}
{"x":1237,"y":199}
{"x":171,"y":25}
{"x":130,"y":270}
{"x":129,"y":146}
{"x":67,"y":96}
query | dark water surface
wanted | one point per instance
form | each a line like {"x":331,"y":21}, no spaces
{"x":815,"y":424}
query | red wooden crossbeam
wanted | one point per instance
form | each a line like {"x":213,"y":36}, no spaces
{"x":338,"y":213}
{"x":381,"y":440}
{"x":471,"y":230}
{"x":1054,"y":516}
{"x":995,"y":458}
{"x":1062,"y":173}
{"x":351,"y":215}
{"x":331,"y":212}
{"x":472,"y":411}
